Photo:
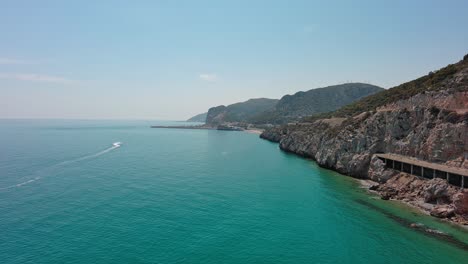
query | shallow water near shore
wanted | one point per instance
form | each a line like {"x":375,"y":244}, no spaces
{"x":68,"y":195}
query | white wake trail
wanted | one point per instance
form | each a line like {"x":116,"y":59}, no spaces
{"x":114,"y":146}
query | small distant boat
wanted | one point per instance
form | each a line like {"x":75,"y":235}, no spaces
{"x":117,"y":144}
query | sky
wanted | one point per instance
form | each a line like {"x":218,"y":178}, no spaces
{"x":170,"y":60}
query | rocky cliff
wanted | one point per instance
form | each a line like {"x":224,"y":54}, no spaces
{"x":430,"y":125}
{"x":347,"y":145}
{"x":435,"y":196}
{"x":239,"y":112}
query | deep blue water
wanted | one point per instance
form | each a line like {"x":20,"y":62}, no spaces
{"x":191,"y":196}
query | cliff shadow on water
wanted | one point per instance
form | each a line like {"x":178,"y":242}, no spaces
{"x":417,"y":227}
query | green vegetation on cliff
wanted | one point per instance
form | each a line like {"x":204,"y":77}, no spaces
{"x":239,"y":112}
{"x":291,"y":107}
{"x":434,"y":81}
{"x":320,"y":100}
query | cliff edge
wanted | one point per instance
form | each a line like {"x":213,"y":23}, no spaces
{"x":425,"y":119}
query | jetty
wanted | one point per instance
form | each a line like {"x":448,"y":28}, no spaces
{"x":453,"y":175}
{"x":220,"y":127}
{"x":185,"y":127}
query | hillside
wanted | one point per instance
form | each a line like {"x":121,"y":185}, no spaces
{"x":239,"y":112}
{"x":434,"y":81}
{"x":320,"y":100}
{"x":198,"y":118}
{"x":425,"y":119}
{"x":291,"y":107}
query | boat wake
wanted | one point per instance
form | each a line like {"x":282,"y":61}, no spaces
{"x":114,"y":146}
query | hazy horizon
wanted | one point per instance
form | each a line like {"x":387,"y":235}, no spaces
{"x":171,"y":61}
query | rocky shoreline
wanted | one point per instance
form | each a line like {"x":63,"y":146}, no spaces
{"x":431,"y":126}
{"x":432,"y":197}
{"x":348,"y":147}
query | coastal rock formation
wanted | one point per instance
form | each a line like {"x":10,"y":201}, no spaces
{"x":377,"y":171}
{"x":460,"y":202}
{"x":435,"y":196}
{"x":443,"y":211}
{"x":409,"y":125}
{"x":426,"y":119}
{"x":348,"y":147}
{"x":438,"y":190}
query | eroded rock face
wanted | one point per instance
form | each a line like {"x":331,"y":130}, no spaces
{"x":438,"y":191}
{"x":377,"y":171}
{"x":405,"y":186}
{"x":431,"y":126}
{"x":443,"y":211}
{"x":434,"y":196}
{"x":460,"y":202}
{"x":348,"y":147}
{"x":402,"y":186}
{"x":215,"y":115}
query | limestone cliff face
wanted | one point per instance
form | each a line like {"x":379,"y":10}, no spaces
{"x":216,"y":115}
{"x":431,"y":125}
{"x":428,"y":134}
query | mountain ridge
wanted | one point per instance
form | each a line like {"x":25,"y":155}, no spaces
{"x":290,"y":108}
{"x":293,"y":107}
{"x":198,"y":118}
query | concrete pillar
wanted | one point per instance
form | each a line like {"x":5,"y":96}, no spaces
{"x":422,"y":171}
{"x":447,"y":175}
{"x":433,"y":173}
{"x":462,"y":181}
{"x":401,"y":166}
{"x":411,"y":169}
{"x":393,"y":164}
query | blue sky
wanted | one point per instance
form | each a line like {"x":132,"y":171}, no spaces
{"x":174,"y":59}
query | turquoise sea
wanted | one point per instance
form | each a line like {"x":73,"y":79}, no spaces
{"x":67,"y":195}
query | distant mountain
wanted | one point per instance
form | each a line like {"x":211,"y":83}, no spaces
{"x":315,"y":101}
{"x":291,"y":107}
{"x":198,"y":118}
{"x":239,"y":112}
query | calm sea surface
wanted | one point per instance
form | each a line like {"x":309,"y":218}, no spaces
{"x":67,"y":195}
